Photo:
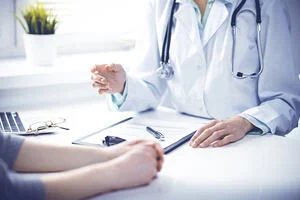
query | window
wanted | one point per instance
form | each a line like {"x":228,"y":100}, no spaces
{"x":85,"y":25}
{"x":8,"y":36}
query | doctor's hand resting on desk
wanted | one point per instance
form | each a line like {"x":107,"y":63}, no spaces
{"x":229,"y":60}
{"x":77,"y":172}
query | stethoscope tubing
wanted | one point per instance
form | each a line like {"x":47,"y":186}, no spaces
{"x":239,"y":75}
{"x":167,"y":40}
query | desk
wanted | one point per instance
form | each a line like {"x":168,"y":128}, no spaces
{"x":253,"y":168}
{"x":257,"y":167}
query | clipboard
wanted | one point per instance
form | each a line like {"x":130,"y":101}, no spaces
{"x":178,"y":143}
{"x":167,"y":149}
{"x":176,"y":134}
{"x":81,"y":142}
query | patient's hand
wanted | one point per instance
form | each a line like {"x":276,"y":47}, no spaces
{"x":108,"y":78}
{"x":124,"y":147}
{"x":221,"y":132}
{"x":136,"y":167}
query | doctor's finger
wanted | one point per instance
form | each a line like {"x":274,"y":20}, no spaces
{"x":98,"y":78}
{"x":113,"y":67}
{"x":200,"y":130}
{"x":216,"y":126}
{"x":217,"y":135}
{"x":96,"y":67}
{"x":204,"y":135}
{"x":100,"y":85}
{"x":104,"y":91}
{"x":226,"y":140}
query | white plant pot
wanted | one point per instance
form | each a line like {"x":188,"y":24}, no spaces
{"x":40,"y":49}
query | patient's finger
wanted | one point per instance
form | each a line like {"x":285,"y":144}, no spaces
{"x":159,"y":156}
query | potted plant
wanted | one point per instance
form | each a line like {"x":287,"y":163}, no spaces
{"x":39,"y":25}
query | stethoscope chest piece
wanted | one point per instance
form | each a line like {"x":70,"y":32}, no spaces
{"x":165,"y":71}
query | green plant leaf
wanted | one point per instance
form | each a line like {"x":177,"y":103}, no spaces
{"x":39,"y":20}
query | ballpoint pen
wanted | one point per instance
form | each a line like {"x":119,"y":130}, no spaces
{"x":156,"y":134}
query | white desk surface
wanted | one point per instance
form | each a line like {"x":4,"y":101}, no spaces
{"x":256,"y":167}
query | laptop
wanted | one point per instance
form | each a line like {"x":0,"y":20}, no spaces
{"x":10,"y":122}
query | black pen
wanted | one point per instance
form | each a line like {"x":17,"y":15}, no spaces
{"x":155,"y":133}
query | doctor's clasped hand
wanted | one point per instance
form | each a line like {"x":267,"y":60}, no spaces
{"x":108,"y":78}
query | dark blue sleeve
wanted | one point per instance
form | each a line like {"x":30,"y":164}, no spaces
{"x":9,"y":148}
{"x":14,"y":185}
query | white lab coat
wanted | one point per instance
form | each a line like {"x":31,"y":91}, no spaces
{"x":203,"y":84}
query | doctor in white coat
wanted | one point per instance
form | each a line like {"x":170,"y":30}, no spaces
{"x":201,"y":54}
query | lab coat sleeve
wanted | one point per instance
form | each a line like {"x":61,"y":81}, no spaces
{"x":278,"y":85}
{"x":260,"y":127}
{"x":144,"y":88}
{"x":118,"y":99}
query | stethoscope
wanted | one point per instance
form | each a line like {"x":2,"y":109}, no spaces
{"x":166,"y":71}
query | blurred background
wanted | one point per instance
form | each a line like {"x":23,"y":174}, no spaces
{"x":93,"y":25}
{"x":84,"y":25}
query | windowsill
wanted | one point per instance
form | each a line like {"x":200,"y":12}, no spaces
{"x":18,"y":73}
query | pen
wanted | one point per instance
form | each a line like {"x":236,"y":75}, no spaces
{"x":155,"y":133}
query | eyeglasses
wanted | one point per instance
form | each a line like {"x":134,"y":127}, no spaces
{"x":36,"y":127}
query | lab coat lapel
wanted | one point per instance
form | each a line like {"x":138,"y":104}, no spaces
{"x":186,"y":36}
{"x":216,"y":18}
{"x":188,"y":57}
{"x":185,"y":18}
